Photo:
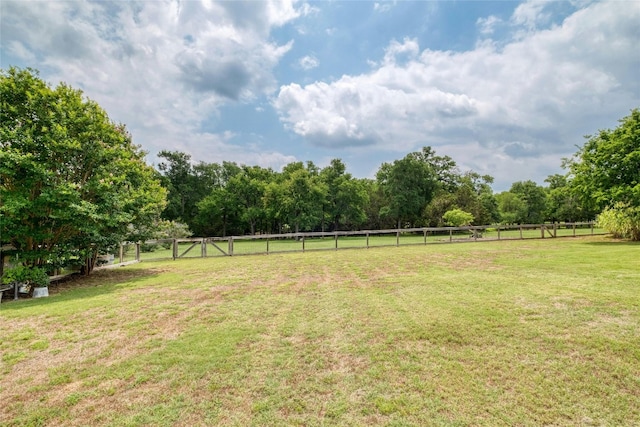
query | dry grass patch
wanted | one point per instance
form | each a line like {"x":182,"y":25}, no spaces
{"x":501,"y":333}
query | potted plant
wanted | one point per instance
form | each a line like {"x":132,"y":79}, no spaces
{"x":32,"y":280}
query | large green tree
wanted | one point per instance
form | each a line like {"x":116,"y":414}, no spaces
{"x":562,"y":202}
{"x":248,"y":189}
{"x":535,"y":198}
{"x":72,"y":183}
{"x":408,"y":185}
{"x":296,"y":199}
{"x":606,"y":169}
{"x":606,"y":174}
{"x":346,"y":196}
{"x":512,"y":209}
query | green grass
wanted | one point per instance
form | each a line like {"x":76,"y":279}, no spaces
{"x":247,"y":246}
{"x":529,"y":333}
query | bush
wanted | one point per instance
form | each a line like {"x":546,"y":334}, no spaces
{"x":621,"y":220}
{"x":27,"y":275}
{"x":457,"y":218}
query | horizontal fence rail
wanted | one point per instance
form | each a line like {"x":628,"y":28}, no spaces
{"x":315,"y":241}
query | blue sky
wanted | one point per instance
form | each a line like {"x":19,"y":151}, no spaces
{"x":505,"y":88}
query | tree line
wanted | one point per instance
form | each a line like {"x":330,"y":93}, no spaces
{"x":219,"y":199}
{"x":74,"y":185}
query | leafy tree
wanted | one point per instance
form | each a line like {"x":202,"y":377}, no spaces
{"x":72,"y":182}
{"x":457,"y":218}
{"x":512,"y":208}
{"x":217,"y":213}
{"x":346,"y":197}
{"x":444,"y":169}
{"x":437,"y":207}
{"x":178,"y":178}
{"x":374,"y":221}
{"x":562,"y":202}
{"x":606,"y":170}
{"x":247,"y":188}
{"x":474,"y":195}
{"x":606,"y":173}
{"x":408,"y":185}
{"x":535,"y":199}
{"x":297,"y":199}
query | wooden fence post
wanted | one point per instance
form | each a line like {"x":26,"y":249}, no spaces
{"x":138,"y":251}
{"x":230,"y":245}
{"x":367,"y":240}
{"x":121,"y":253}
{"x":450,"y":235}
{"x":521,"y":231}
{"x":498,"y":232}
{"x":336,"y":240}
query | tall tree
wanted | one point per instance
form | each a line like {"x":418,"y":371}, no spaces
{"x":297,"y":198}
{"x":606,"y":176}
{"x":562,"y":202}
{"x":606,"y":169}
{"x":247,"y":189}
{"x":179,"y":180}
{"x":72,"y":183}
{"x":513,"y":210}
{"x":408,"y":185}
{"x":535,"y":199}
{"x":346,"y":196}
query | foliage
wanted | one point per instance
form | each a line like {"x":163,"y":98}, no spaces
{"x":606,"y":176}
{"x":346,"y":197}
{"x":512,"y":208}
{"x":20,"y":274}
{"x":72,"y":182}
{"x":298,"y":197}
{"x":408,"y":185}
{"x":606,"y":170}
{"x":621,"y":220}
{"x":457,"y":218}
{"x":562,"y":202}
{"x":534,"y":198}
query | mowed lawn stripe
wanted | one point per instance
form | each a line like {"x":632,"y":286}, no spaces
{"x":501,"y":333}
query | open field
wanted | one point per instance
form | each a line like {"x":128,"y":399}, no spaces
{"x":521,"y":332}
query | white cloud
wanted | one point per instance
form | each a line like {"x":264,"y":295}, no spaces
{"x":383,"y":7}
{"x":486,"y":26}
{"x":163,"y":68}
{"x":527,"y":104}
{"x":530,"y":14}
{"x":395,"y":50}
{"x":308,"y":62}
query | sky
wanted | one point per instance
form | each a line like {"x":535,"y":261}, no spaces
{"x":505,"y":88}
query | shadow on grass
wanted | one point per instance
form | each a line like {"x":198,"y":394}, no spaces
{"x":100,"y":282}
{"x":612,"y":241}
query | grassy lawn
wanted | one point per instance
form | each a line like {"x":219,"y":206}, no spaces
{"x":247,"y":246}
{"x":528,"y":333}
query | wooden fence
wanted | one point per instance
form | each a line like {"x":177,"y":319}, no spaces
{"x":314,"y":241}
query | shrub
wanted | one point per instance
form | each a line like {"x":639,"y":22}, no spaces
{"x":621,"y":220}
{"x":27,"y":275}
{"x":457,"y":218}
